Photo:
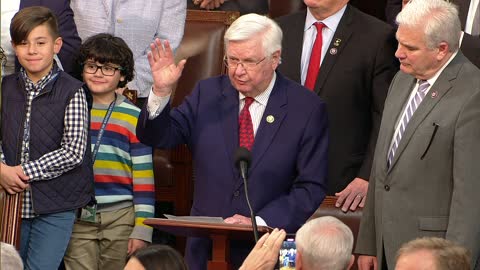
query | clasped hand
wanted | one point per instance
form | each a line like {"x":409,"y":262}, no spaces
{"x":12,"y":178}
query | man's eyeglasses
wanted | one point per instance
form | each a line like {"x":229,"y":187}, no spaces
{"x":91,"y":68}
{"x":247,"y":64}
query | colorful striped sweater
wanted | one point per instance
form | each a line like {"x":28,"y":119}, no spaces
{"x":123,"y":166}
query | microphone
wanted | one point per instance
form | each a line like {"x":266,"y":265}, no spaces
{"x":243,"y":158}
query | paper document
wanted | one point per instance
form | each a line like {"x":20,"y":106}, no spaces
{"x":196,"y":218}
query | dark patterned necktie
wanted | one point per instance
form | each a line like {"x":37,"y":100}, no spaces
{"x":245,"y":130}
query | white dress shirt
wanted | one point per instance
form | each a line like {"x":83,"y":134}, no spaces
{"x":471,"y":14}
{"x":310,"y":33}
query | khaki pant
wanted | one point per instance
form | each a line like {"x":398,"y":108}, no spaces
{"x":101,"y":246}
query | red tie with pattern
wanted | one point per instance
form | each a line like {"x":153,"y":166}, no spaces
{"x":315,"y":55}
{"x":245,"y":126}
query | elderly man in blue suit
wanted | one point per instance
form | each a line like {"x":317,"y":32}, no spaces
{"x":287,"y":126}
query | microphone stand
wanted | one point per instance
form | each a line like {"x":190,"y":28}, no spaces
{"x":252,"y":216}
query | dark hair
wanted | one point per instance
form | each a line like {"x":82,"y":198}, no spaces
{"x":28,"y":18}
{"x":160,"y":257}
{"x":105,"y":48}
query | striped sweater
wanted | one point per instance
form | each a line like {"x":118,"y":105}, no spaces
{"x":123,"y":166}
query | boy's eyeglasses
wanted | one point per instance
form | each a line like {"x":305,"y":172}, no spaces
{"x":247,"y":64}
{"x":91,"y":68}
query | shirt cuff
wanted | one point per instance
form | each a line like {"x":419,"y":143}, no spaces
{"x":156,"y":104}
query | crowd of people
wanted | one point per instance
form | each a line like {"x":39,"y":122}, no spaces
{"x":327,"y":101}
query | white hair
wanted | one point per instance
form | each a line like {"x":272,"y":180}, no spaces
{"x":251,"y":25}
{"x":9,"y":257}
{"x":325,"y":243}
{"x":439,"y":19}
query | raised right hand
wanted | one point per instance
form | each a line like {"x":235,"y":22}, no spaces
{"x":162,"y":65}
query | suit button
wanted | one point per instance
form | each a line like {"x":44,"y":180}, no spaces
{"x":236,"y":193}
{"x":387,"y":187}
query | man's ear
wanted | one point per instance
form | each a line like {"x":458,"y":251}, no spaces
{"x":276,"y":58}
{"x":57,"y":45}
{"x":14,"y":46}
{"x":298,"y":261}
{"x":352,"y":260}
{"x":442,"y":50}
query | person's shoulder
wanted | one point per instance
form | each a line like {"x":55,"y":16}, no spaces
{"x":62,"y":75}
{"x":469,"y":72}
{"x":10,"y":77}
{"x":214,"y":84}
{"x":128,"y":107}
{"x":285,"y":20}
{"x":298,"y":93}
{"x":369,"y":23}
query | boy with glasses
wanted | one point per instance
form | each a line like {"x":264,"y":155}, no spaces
{"x":124,"y":186}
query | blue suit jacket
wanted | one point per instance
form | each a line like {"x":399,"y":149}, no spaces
{"x":287,"y":176}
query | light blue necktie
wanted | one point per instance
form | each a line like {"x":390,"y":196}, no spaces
{"x":407,"y":115}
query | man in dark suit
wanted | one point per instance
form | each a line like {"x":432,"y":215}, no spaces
{"x":357,"y":65}
{"x":285,"y":127}
{"x":425,"y":175}
{"x":467,"y":10}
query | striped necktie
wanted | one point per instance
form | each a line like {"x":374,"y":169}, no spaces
{"x":407,"y":115}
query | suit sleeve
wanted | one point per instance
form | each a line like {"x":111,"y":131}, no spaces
{"x":366,"y":239}
{"x":308,"y":189}
{"x":171,"y":127}
{"x":69,"y":34}
{"x":386,"y":65}
{"x":463,"y":226}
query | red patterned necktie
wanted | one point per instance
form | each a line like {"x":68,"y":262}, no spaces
{"x":315,"y":55}
{"x":245,"y":126}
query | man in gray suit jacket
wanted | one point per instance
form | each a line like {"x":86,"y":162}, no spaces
{"x":425,"y":174}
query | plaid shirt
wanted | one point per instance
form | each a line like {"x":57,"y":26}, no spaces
{"x":73,"y":144}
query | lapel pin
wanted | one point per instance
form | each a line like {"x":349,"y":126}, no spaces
{"x":337,"y":42}
{"x":270,"y":119}
{"x":333,"y":51}
{"x":434,"y":94}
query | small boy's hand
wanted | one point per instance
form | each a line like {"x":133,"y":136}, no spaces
{"x":12,"y":179}
{"x":164,"y":71}
{"x":134,"y":244}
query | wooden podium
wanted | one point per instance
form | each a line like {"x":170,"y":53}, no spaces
{"x":220,"y":233}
